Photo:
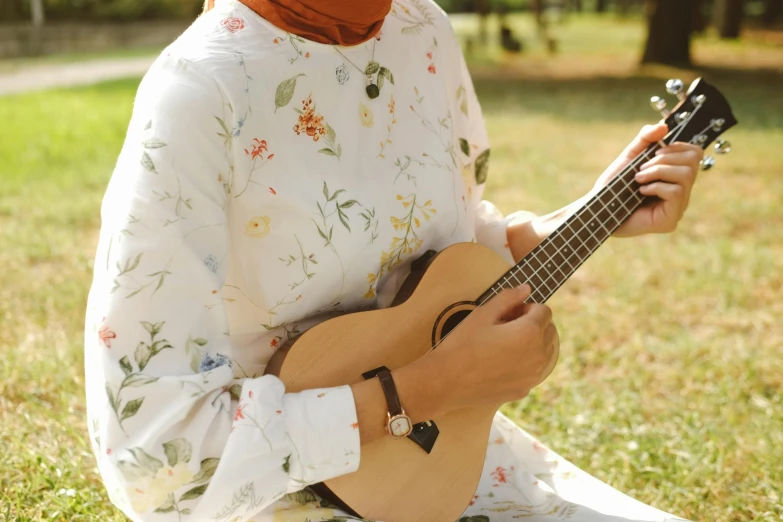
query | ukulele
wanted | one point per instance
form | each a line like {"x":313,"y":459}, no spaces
{"x":433,"y":476}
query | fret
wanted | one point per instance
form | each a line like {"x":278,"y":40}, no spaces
{"x":536,"y":297}
{"x":586,"y":235}
{"x":575,"y":236}
{"x":514,"y":275}
{"x":607,"y":216}
{"x":613,"y":207}
{"x":595,"y":219}
{"x":553,"y":261}
{"x":565,"y":246}
{"x":551,"y":264}
{"x":538,"y":282}
{"x":506,"y":281}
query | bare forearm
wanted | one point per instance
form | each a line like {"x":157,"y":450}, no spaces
{"x":525,"y":233}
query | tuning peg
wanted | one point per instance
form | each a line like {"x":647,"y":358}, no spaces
{"x":682,"y":116}
{"x":707,"y":163}
{"x":659,"y":104}
{"x":676,"y":87}
{"x":722,"y":147}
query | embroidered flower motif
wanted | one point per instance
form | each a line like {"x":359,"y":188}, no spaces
{"x":240,"y":414}
{"x":105,"y":335}
{"x":499,"y":475}
{"x":258,"y":227}
{"x":152,"y":492}
{"x":365,"y":115}
{"x":257,"y":149}
{"x":343,"y":74}
{"x":210,"y":363}
{"x":233,"y":24}
{"x":310,"y":123}
{"x":171,"y":478}
{"x":307,"y":54}
{"x":144,"y":497}
{"x":431,"y":68}
{"x":540,"y":447}
{"x":211,"y":262}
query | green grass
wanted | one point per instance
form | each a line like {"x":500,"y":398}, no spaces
{"x":14,"y":64}
{"x":669,"y":385}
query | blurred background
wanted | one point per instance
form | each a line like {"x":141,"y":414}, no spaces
{"x":669,"y":384}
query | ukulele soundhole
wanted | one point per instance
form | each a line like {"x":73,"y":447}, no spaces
{"x":453,"y":321}
{"x":450,"y":318}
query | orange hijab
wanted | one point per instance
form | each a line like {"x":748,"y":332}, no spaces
{"x":340,"y":22}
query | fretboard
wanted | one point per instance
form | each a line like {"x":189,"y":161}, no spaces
{"x":556,"y":258}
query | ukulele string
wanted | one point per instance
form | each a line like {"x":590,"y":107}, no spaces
{"x":633,"y":207}
{"x":672,"y":134}
{"x":616,"y":181}
{"x":568,"y":258}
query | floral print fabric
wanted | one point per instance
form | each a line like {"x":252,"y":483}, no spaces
{"x":259,"y":192}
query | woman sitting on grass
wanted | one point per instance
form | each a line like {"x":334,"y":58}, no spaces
{"x":285,"y":163}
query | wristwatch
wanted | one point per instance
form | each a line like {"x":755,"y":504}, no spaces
{"x":398,"y":424}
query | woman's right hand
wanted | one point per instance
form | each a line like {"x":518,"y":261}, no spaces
{"x":497,"y":354}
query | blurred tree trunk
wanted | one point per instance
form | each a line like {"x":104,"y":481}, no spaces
{"x":37,"y":9}
{"x":669,"y":33}
{"x":700,"y":19}
{"x":728,"y":17}
{"x":600,"y":6}
{"x":482,"y":9}
{"x":577,"y":5}
{"x":538,"y":13}
{"x":772,"y":9}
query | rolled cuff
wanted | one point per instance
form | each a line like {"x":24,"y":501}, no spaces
{"x":325,"y":430}
{"x":492,"y":228}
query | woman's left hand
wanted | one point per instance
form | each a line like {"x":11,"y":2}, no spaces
{"x":669,"y":175}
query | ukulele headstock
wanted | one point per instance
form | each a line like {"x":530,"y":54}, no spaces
{"x":700,"y":117}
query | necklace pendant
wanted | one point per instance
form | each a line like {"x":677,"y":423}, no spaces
{"x":372,"y":90}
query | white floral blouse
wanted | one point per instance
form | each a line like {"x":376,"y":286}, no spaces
{"x":260,"y":191}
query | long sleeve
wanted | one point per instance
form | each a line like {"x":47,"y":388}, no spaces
{"x":176,"y":435}
{"x":491,"y":225}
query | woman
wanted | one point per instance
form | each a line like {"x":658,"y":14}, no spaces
{"x":283,"y":166}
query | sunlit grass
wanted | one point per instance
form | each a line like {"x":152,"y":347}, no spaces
{"x":669,"y":386}
{"x":15,"y":64}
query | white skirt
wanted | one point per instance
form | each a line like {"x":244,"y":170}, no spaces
{"x":522,"y":479}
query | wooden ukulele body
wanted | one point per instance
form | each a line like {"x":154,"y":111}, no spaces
{"x":397,"y":481}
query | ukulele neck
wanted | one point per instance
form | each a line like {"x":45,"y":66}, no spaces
{"x":558,"y":256}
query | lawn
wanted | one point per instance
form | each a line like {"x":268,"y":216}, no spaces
{"x":669,"y":384}
{"x":15,"y":64}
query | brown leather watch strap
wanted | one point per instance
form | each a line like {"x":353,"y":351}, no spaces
{"x":390,"y":391}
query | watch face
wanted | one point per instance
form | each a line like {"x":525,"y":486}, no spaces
{"x":400,"y":426}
